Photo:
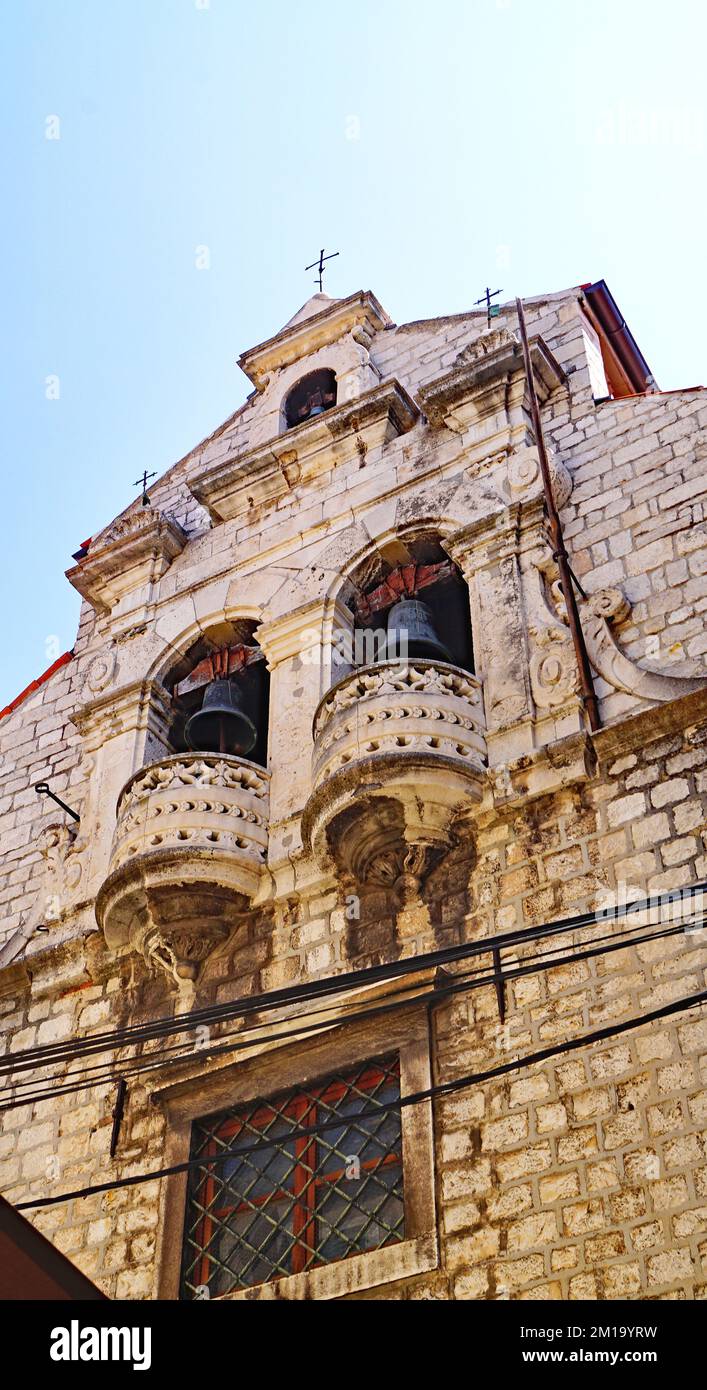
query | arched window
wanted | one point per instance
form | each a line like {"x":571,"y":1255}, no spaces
{"x":220,"y":695}
{"x":412,"y":602}
{"x":314,"y":394}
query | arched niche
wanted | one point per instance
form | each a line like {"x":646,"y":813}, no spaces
{"x":224,"y":651}
{"x":312,"y":395}
{"x":408,"y":565}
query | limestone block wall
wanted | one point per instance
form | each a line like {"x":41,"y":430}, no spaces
{"x":62,"y":1143}
{"x":581,"y":1177}
{"x":586,"y":1176}
{"x":38,"y":743}
{"x":637,"y":517}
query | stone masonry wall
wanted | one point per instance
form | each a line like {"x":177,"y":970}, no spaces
{"x":586,"y":1176}
{"x":37,"y":743}
{"x":582,"y":1177}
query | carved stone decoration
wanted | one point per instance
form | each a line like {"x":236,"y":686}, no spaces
{"x":188,"y":855}
{"x":417,"y":861}
{"x":180,"y":952}
{"x":485,"y":345}
{"x":103,"y":668}
{"x":524,"y":478}
{"x":609,"y":606}
{"x":402,"y":869}
{"x":554,"y":676}
{"x":399,"y":753}
{"x":57,"y":842}
{"x":60,"y":846}
{"x":63,"y":845}
{"x":370,"y":841}
{"x":137,"y":549}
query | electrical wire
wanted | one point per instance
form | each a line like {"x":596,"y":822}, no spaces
{"x":439,"y":1091}
{"x":115,"y":1039}
{"x":105,"y":1074}
{"x":308,"y":1029}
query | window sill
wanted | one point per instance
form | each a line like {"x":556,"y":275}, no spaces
{"x":349,"y":1276}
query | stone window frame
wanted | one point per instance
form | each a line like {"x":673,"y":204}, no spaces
{"x":279,"y":1068}
{"x":307,"y":1196}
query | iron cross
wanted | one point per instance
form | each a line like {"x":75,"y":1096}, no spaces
{"x":142,"y":482}
{"x":320,"y":265}
{"x":492,"y":310}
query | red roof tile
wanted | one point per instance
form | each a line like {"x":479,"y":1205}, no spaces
{"x":34,"y":685}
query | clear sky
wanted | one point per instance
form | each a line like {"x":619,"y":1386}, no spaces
{"x":207,"y":149}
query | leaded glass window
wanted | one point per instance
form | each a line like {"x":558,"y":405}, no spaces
{"x":282,"y":1201}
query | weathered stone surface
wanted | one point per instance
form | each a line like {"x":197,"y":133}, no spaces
{"x":442,"y":810}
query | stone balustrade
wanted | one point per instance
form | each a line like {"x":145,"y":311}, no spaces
{"x":188,"y":854}
{"x":399,"y":751}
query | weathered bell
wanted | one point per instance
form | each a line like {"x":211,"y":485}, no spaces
{"x":411,"y":633}
{"x":221,"y":725}
{"x":316,"y":404}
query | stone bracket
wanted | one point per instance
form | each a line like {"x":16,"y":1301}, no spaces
{"x":542,"y":773}
{"x":647,"y":682}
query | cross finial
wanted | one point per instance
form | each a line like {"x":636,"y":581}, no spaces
{"x":492,"y":310}
{"x":142,"y":482}
{"x":320,"y":266}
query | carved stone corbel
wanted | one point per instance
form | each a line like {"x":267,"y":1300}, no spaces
{"x":648,"y":682}
{"x":373,"y":848}
{"x":180,"y":952}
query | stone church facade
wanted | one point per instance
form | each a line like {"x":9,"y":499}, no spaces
{"x":334,"y":860}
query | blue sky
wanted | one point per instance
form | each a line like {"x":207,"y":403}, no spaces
{"x":527,"y":144}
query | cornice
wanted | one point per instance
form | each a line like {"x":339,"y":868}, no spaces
{"x":174,"y":1088}
{"x":273,"y":469}
{"x":687,"y":713}
{"x":136,"y":548}
{"x":301,"y":630}
{"x":485,"y":363}
{"x":360,"y":310}
{"x":137,"y":705}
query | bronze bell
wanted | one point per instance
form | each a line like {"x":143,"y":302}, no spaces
{"x":221,"y":725}
{"x":411,"y":633}
{"x":315,"y":405}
